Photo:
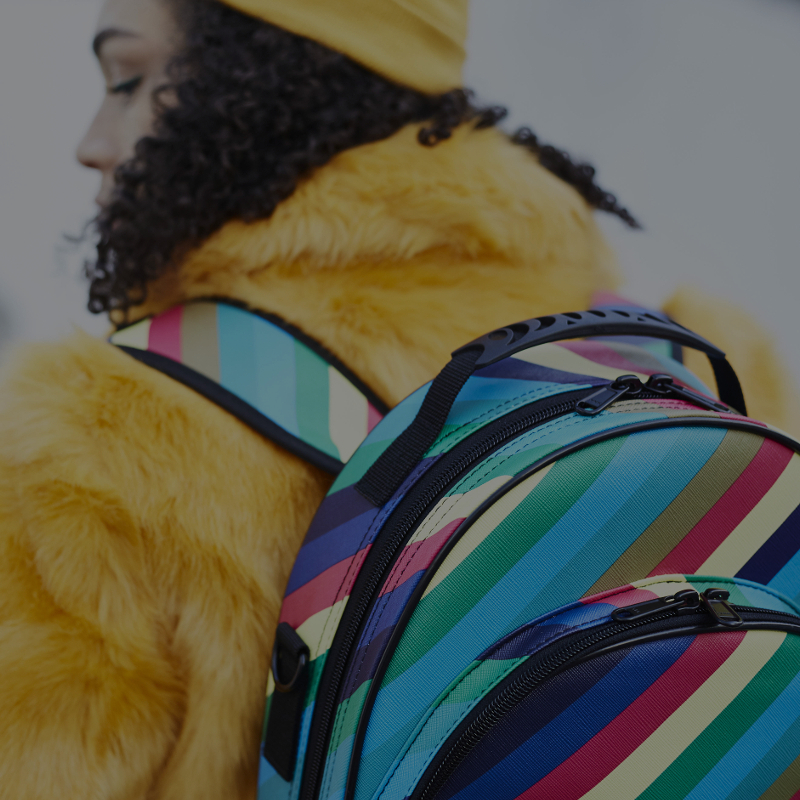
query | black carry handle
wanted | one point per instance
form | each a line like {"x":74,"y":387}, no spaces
{"x":386,"y":475}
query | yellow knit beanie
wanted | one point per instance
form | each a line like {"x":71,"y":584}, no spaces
{"x":417,"y":43}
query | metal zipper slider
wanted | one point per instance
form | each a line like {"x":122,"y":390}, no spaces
{"x":665,"y":384}
{"x":682,"y":602}
{"x":715,"y":602}
{"x":599,"y":401}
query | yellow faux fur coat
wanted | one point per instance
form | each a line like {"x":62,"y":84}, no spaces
{"x":146,"y":536}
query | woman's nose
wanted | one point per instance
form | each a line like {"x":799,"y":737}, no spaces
{"x":98,"y":149}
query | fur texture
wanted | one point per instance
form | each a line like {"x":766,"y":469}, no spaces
{"x":146,"y":536}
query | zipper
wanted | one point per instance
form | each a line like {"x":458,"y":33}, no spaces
{"x":404,"y":518}
{"x":661,"y":614}
{"x":627,"y":386}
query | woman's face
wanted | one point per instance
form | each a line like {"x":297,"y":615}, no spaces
{"x":134,"y":43}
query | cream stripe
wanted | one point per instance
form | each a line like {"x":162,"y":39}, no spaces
{"x":136,"y":336}
{"x":485,"y":525}
{"x":323,"y":623}
{"x":751,"y":533}
{"x":555,"y":357}
{"x":664,"y":745}
{"x":347,"y":415}
{"x":457,"y":505}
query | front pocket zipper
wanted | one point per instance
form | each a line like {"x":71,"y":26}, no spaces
{"x":685,"y":613}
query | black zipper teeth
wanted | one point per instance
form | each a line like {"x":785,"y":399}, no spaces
{"x":315,"y":755}
{"x":378,"y":572}
{"x":522,"y":687}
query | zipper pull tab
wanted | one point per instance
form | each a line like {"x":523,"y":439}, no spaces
{"x":715,"y":602}
{"x":665,"y":384}
{"x":595,"y":403}
{"x":682,"y":602}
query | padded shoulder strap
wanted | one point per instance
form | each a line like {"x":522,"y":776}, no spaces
{"x":264,"y":371}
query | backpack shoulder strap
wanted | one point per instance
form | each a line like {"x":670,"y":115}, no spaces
{"x":266,"y":372}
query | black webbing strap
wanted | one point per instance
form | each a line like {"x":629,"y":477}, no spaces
{"x":728,"y":387}
{"x":386,"y":475}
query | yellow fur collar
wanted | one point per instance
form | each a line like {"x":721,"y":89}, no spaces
{"x":411,"y":246}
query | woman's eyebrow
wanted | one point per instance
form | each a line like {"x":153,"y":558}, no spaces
{"x":109,"y":33}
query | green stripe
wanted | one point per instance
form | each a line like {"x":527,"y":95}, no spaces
{"x":700,"y":757}
{"x":770,"y":766}
{"x":313,"y":400}
{"x":558,"y":491}
{"x":199,"y":342}
{"x":787,"y":785}
{"x":728,"y":462}
{"x":347,"y":716}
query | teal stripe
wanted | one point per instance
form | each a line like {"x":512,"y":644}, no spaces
{"x":672,"y":470}
{"x":237,"y":354}
{"x":740,"y":760}
{"x":772,"y":766}
{"x":313,"y":400}
{"x":277,"y":398}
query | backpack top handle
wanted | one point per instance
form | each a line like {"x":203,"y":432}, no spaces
{"x":389,"y":471}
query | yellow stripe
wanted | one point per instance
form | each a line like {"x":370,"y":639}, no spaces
{"x":554,"y":357}
{"x":665,"y":744}
{"x":485,"y":525}
{"x":347,"y":415}
{"x":136,"y":336}
{"x":317,"y":631}
{"x":751,"y":533}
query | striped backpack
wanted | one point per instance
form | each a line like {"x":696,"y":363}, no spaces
{"x":561,"y":570}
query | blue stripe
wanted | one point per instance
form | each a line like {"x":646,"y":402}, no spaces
{"x":237,"y":361}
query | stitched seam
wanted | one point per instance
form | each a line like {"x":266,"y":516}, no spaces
{"x":507,"y":406}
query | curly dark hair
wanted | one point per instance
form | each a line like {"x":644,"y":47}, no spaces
{"x":253,"y":108}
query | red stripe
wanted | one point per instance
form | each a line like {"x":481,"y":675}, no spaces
{"x":327,"y":589}
{"x":603,"y":354}
{"x":373,"y":417}
{"x":165,"y":334}
{"x":605,"y":751}
{"x":418,"y":556}
{"x":741,"y":498}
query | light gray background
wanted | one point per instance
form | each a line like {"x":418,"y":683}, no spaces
{"x":689,"y":109}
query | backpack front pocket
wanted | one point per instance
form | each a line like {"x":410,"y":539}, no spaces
{"x":672,"y":688}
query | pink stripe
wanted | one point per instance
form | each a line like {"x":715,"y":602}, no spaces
{"x":601,"y":596}
{"x":741,"y":498}
{"x":165,"y":334}
{"x":605,"y":751}
{"x":373,"y":417}
{"x":418,"y":556}
{"x":603,"y":354}
{"x":631,"y":598}
{"x":324,"y":591}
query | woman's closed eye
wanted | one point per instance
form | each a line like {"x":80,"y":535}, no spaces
{"x":126,"y":87}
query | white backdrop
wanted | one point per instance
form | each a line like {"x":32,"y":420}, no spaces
{"x":689,"y":109}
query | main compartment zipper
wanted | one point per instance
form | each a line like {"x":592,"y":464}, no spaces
{"x":404,"y":518}
{"x":667,"y":611}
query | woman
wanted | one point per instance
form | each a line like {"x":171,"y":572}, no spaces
{"x":326,"y":169}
